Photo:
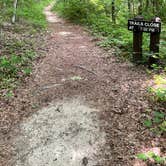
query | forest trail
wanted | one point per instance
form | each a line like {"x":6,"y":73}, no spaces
{"x":89,"y":105}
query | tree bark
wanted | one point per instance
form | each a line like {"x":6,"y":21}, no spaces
{"x":14,"y":11}
{"x":133,"y":7}
{"x":140,"y":7}
{"x":113,"y":12}
{"x":147,"y":5}
{"x":129,"y":7}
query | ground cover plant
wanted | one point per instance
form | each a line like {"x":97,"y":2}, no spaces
{"x":17,"y":41}
{"x":152,"y":158}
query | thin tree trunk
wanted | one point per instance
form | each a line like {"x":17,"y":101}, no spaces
{"x":147,"y":6}
{"x":113,"y":12}
{"x":129,"y":7}
{"x":14,"y":12}
{"x":140,"y":7}
{"x":133,"y":7}
{"x":157,"y":6}
{"x":153,"y":6}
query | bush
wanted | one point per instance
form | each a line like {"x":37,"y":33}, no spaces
{"x":76,"y":10}
{"x":33,"y":12}
{"x":17,"y":47}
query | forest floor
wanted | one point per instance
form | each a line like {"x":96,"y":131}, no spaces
{"x":82,"y":106}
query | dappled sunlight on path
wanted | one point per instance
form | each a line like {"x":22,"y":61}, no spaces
{"x":50,"y":16}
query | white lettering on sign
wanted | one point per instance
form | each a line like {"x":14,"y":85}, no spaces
{"x":131,"y":27}
{"x":144,"y":26}
{"x":136,"y":23}
{"x":152,"y":25}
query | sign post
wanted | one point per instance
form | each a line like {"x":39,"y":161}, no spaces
{"x":138,"y":26}
{"x":137,"y":42}
{"x":154,"y":45}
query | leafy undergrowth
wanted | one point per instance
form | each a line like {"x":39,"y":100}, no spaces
{"x":152,"y":159}
{"x":18,"y":42}
{"x":17,"y":53}
{"x":155,"y":121}
{"x":33,"y":12}
{"x":157,"y":93}
{"x":158,"y":90}
{"x":29,"y":11}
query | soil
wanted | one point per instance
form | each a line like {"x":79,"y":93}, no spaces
{"x":82,"y":106}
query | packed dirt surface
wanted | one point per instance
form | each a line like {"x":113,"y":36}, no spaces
{"x":81,"y":107}
{"x":65,"y":133}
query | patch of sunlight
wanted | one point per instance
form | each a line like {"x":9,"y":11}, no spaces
{"x":76,"y":78}
{"x":73,"y":78}
{"x":98,"y":5}
{"x":76,"y":154}
{"x":160,"y":80}
{"x":158,"y":87}
{"x":82,"y":46}
{"x":63,"y":33}
{"x":51,"y":17}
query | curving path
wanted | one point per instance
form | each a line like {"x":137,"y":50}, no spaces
{"x":88,"y":105}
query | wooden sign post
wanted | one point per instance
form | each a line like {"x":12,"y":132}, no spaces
{"x":154,"y":45}
{"x":137,"y":38}
{"x":138,"y":26}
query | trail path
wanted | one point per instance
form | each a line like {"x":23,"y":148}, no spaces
{"x":89,"y":105}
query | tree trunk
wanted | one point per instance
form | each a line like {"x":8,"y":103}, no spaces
{"x":153,"y":4}
{"x":140,"y":7}
{"x":147,"y":5}
{"x":113,"y":12}
{"x":133,"y":7}
{"x":157,"y":7}
{"x":14,"y":11}
{"x":129,"y":7}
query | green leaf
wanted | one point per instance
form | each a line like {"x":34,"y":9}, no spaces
{"x":151,"y":154}
{"x":9,"y":94}
{"x":27,"y":71}
{"x":159,"y":114}
{"x":163,"y":126}
{"x":157,"y":120}
{"x":15,"y":59}
{"x":158,"y":159}
{"x":148,"y":123}
{"x":142,"y":156}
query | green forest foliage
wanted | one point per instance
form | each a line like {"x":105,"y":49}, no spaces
{"x":30,"y":11}
{"x":17,"y":41}
{"x":108,"y":18}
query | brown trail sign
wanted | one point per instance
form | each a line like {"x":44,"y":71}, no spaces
{"x":138,"y":26}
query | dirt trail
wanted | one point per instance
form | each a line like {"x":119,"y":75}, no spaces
{"x":89,"y":105}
